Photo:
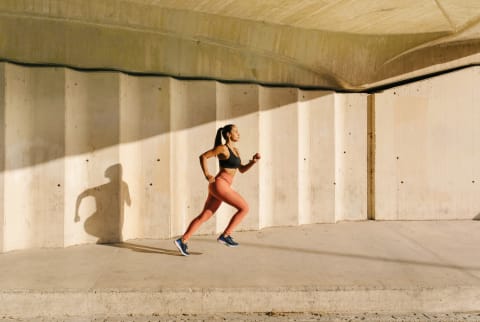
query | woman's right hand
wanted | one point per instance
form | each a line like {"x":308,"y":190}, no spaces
{"x":210,"y":178}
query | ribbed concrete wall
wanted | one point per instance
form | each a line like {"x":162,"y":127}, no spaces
{"x":428,"y":149}
{"x":101,"y":157}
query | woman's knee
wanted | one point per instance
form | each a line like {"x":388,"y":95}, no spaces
{"x":244,"y":207}
{"x":205,"y":215}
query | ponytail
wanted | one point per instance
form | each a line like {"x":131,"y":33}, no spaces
{"x":222,"y":132}
{"x":218,"y":138}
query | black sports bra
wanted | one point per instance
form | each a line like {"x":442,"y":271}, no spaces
{"x":233,"y":162}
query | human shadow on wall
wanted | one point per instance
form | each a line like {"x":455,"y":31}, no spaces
{"x":106,"y":223}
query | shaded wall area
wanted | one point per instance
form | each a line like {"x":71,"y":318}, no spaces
{"x":102,"y":157}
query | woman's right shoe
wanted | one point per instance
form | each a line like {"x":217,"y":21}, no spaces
{"x":182,"y":247}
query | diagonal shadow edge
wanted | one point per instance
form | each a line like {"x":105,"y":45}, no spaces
{"x":360,"y":256}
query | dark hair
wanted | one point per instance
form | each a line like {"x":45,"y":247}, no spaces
{"x":222,"y":132}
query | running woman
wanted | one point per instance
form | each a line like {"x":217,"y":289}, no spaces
{"x":219,"y":187}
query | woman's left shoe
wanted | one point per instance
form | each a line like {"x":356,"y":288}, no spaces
{"x":227,"y":241}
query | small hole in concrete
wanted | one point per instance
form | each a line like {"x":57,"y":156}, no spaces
{"x":151,"y":184}
{"x":398,"y":158}
{"x":158,"y":160}
{"x":58,"y":185}
{"x":401,"y":182}
{"x":87,"y":160}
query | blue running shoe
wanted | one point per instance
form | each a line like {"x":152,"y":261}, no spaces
{"x":227,"y":241}
{"x":182,"y":247}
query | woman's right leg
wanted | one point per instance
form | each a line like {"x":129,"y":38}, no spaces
{"x":211,"y":206}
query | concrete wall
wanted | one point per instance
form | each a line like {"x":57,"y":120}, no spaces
{"x":105,"y":156}
{"x":428,"y":149}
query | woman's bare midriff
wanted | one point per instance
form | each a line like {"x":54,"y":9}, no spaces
{"x":229,"y":171}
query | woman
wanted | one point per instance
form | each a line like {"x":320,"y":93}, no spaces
{"x":219,"y":188}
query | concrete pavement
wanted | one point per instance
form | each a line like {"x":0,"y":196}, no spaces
{"x":408,"y":266}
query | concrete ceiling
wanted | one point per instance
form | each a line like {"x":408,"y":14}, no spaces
{"x":335,"y":44}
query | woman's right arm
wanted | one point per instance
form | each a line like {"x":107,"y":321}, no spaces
{"x":205,"y":156}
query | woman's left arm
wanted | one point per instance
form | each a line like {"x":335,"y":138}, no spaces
{"x":245,"y":167}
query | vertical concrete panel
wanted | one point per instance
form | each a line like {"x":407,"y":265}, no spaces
{"x":93,"y":204}
{"x":304,"y":180}
{"x":238,"y":104}
{"x":193,"y":124}
{"x":386,"y":159}
{"x":145,"y":156}
{"x":34,"y":172}
{"x":132,"y":186}
{"x":18,"y":174}
{"x":49,"y":153}
{"x":473,"y":202}
{"x":450,"y":188}
{"x":317,"y":157}
{"x":351,"y":156}
{"x":2,"y":152}
{"x":430,"y":158}
{"x":279,"y":145}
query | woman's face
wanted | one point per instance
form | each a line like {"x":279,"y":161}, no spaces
{"x":234,"y":134}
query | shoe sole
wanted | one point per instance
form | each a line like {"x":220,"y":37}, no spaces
{"x":226,"y":244}
{"x":180,"y":248}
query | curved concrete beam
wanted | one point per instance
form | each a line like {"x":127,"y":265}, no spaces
{"x":339,"y":45}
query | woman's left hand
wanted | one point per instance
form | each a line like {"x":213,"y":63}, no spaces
{"x":256,"y":157}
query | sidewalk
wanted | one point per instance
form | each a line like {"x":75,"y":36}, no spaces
{"x":350,"y":267}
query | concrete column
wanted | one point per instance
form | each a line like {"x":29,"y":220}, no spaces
{"x":316,"y":144}
{"x":427,"y":149}
{"x":93,"y":203}
{"x":239,"y":104}
{"x":2,"y":154}
{"x":193,"y":126}
{"x":279,"y":147}
{"x":34,"y":165}
{"x":350,"y":157}
{"x":145,"y":156}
